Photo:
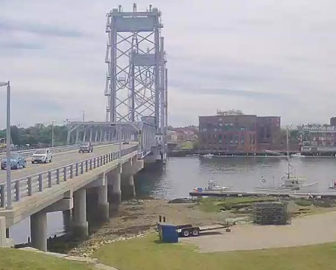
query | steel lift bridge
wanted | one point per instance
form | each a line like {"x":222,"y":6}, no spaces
{"x":136,"y":83}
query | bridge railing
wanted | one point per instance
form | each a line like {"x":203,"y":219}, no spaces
{"x":32,"y":184}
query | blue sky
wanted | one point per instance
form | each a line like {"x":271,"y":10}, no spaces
{"x":262,"y":57}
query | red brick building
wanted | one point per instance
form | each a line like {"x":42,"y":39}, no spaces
{"x":237,"y":133}
{"x":268,"y":131}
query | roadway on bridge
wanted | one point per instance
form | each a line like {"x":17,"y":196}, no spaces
{"x":61,"y":159}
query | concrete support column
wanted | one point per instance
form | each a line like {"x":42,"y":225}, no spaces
{"x":104,"y":139}
{"x":69,"y":137}
{"x":67,"y":219}
{"x":3,"y":232}
{"x":103,"y":207}
{"x":77,"y":135}
{"x":84,"y":134}
{"x":101,"y":135}
{"x":38,"y":230}
{"x":115,"y":191}
{"x":80,"y":224}
{"x":129,"y":187}
{"x":96,"y":137}
{"x":91,"y":131}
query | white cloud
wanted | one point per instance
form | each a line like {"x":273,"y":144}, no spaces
{"x":221,"y":54}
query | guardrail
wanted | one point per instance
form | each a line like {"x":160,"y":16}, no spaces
{"x":29,"y":185}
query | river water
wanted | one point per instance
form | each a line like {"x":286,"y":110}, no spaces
{"x":181,"y":175}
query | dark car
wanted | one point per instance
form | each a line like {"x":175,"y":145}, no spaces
{"x":86,"y":147}
{"x":17,"y":161}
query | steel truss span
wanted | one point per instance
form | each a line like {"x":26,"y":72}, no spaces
{"x":136,"y":81}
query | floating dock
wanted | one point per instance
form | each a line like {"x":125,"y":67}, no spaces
{"x":275,"y":193}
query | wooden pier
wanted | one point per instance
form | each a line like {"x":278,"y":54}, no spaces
{"x":275,"y":193}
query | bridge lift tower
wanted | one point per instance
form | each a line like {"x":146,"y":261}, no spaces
{"x":136,"y":81}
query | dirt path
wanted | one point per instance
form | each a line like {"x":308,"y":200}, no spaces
{"x":308,"y":230}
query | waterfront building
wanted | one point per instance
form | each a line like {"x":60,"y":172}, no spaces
{"x":233,"y":132}
{"x":318,"y":139}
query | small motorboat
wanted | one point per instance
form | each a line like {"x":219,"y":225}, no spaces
{"x":212,"y":186}
{"x":297,"y":155}
{"x":208,"y":156}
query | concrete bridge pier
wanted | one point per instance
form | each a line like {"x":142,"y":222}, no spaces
{"x":114,"y":188}
{"x":97,"y":197}
{"x":5,"y":241}
{"x":67,"y":219}
{"x":80,"y":226}
{"x":128,"y":187}
{"x":130,"y":168}
{"x":38,"y":221}
{"x":103,"y":206}
{"x":131,"y":186}
{"x":38,"y":230}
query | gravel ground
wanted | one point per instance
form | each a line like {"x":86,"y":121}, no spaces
{"x":307,"y":230}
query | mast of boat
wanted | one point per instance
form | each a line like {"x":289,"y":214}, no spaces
{"x":288,"y":164}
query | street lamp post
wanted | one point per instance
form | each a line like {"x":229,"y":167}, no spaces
{"x":52,"y":134}
{"x":119,"y":139}
{"x":8,"y":143}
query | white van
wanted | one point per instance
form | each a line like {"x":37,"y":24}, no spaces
{"x":42,"y":156}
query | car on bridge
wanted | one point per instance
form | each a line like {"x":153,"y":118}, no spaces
{"x":86,"y":147}
{"x":42,"y":156}
{"x":17,"y":161}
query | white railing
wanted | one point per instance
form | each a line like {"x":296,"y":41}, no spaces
{"x":29,"y":185}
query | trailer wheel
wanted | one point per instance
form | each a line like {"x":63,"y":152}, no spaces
{"x":195,"y":232}
{"x":185,"y":233}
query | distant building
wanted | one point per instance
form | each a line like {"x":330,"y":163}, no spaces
{"x":268,"y":131}
{"x":333,"y":121}
{"x":318,"y":139}
{"x":233,"y":132}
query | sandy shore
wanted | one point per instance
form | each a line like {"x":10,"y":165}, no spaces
{"x":308,"y":230}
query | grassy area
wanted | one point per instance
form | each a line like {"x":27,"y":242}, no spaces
{"x":216,"y":204}
{"x":148,"y":254}
{"x":13,"y":259}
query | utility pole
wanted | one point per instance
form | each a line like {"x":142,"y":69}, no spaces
{"x":83,"y":116}
{"x":52,"y":134}
{"x":8,"y":152}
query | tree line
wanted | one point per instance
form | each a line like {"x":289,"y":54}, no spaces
{"x":36,"y":136}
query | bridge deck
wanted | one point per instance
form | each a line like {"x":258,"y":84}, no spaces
{"x":59,"y":160}
{"x":34,"y":192}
